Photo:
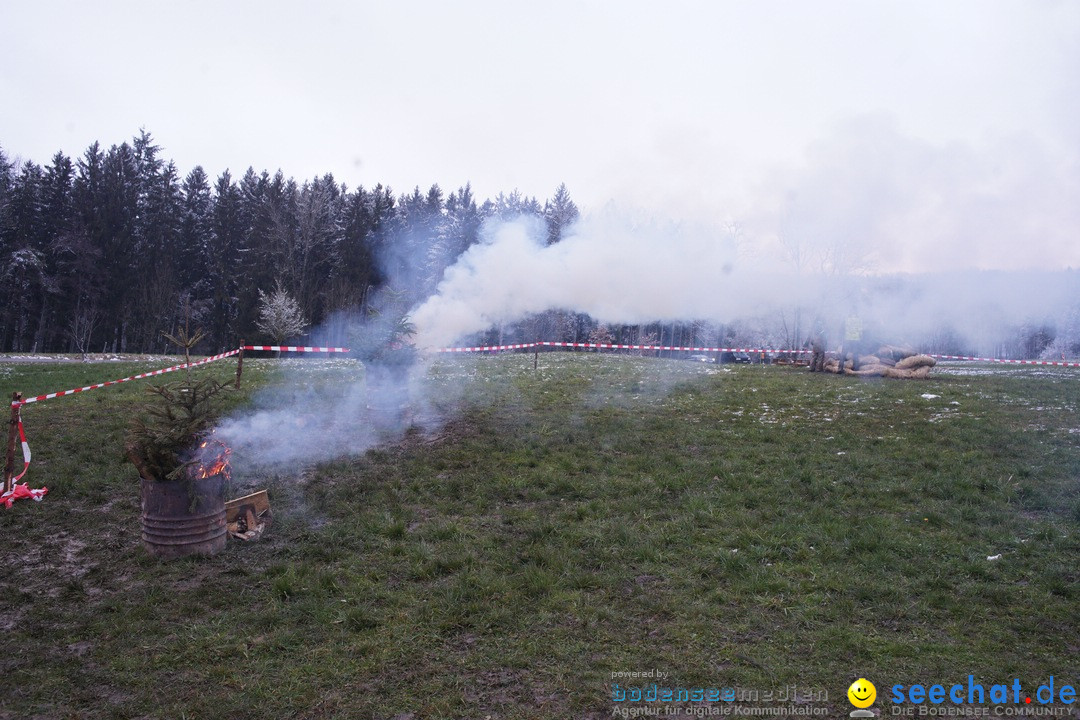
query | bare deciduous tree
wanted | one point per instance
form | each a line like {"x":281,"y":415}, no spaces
{"x":82,"y":325}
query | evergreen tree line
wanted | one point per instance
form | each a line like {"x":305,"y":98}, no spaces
{"x":106,"y":252}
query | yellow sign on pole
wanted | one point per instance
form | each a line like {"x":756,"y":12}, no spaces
{"x":853,"y":328}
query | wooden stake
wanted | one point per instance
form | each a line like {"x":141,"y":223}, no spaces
{"x":536,"y":355}
{"x":13,"y":427}
{"x":240,"y":363}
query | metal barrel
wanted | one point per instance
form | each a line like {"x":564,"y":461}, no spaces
{"x":183,"y":517}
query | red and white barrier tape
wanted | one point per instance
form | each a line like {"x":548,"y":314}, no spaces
{"x":527,"y":346}
{"x":1056,"y":363}
{"x":20,"y":492}
{"x":140,"y":376}
{"x":488,"y":348}
{"x":514,"y":346}
{"x":680,"y":348}
{"x":651,"y":348}
{"x":25,"y":452}
{"x":296,"y":348}
{"x":613,"y":346}
{"x":751,"y":351}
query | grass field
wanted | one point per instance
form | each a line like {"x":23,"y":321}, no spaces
{"x":749,"y":527}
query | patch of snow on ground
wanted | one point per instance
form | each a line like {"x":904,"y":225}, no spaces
{"x":975,"y":370}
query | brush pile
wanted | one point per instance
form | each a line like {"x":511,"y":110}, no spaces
{"x":890,"y":361}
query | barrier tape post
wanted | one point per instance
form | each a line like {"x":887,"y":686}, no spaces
{"x":240,"y":363}
{"x":13,"y":426}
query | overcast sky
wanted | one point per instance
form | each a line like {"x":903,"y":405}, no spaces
{"x":931,"y":134}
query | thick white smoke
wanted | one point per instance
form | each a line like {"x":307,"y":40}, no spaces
{"x":610,"y":266}
{"x":778,"y":280}
{"x":338,"y":408}
{"x":622,"y":271}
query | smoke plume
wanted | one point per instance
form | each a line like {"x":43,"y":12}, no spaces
{"x":620,"y":270}
{"x":613,"y":267}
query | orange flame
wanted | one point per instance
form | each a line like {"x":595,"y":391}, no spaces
{"x":217,"y":464}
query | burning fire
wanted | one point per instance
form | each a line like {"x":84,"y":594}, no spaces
{"x":213,"y":459}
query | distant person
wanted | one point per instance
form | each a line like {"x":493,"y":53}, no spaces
{"x":852,"y":342}
{"x":816,"y":342}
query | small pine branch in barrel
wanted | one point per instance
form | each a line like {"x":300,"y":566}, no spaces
{"x":173,"y":439}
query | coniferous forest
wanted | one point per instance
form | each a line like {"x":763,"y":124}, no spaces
{"x":110,"y":251}
{"x":105,"y":252}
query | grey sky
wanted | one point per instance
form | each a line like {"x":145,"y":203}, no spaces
{"x":930,"y":134}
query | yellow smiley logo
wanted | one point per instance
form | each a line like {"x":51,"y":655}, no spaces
{"x":862,"y":693}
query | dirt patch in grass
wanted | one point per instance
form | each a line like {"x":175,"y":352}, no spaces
{"x":56,"y":563}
